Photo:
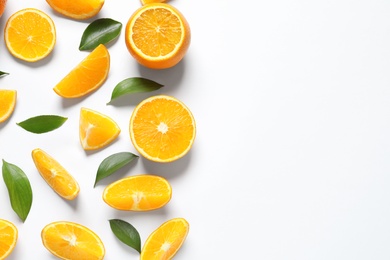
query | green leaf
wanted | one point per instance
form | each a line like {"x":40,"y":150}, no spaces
{"x":126,"y":233}
{"x":100,"y":31}
{"x":2,"y":73}
{"x":133,"y":85}
{"x":42,"y":124}
{"x":19,"y":189}
{"x":113,"y":163}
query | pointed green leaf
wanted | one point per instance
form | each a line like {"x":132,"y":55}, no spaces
{"x":113,"y":163}
{"x":19,"y":189}
{"x":126,"y":233}
{"x":133,"y":85}
{"x":42,"y":124}
{"x":2,"y":73}
{"x":100,"y":31}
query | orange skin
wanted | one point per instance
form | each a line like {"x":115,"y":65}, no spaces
{"x":2,"y":6}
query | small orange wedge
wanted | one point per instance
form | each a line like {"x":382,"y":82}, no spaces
{"x":77,"y":9}
{"x":144,"y":2}
{"x":166,"y":240}
{"x":162,"y":128}
{"x":87,"y":76}
{"x":55,"y":175}
{"x":68,"y":240}
{"x":138,"y":193}
{"x":30,"y":34}
{"x":7,"y":103}
{"x":96,"y":130}
{"x":8,"y":238}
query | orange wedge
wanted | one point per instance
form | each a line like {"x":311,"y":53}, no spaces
{"x":8,"y":238}
{"x":77,"y":9}
{"x":87,"y":76}
{"x":138,"y":193}
{"x":96,"y":130}
{"x":157,"y":35}
{"x":68,"y":240}
{"x":7,"y":103}
{"x":166,"y":240}
{"x":55,"y":175}
{"x":3,"y":3}
{"x":144,"y":2}
{"x":30,"y":34}
{"x":162,"y":128}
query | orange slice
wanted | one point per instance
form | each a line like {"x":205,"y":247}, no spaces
{"x":7,"y":103}
{"x":68,"y":240}
{"x":87,"y":76}
{"x":3,"y":3}
{"x":8,"y":238}
{"x":162,"y":128}
{"x":96,"y":130}
{"x":144,"y":2}
{"x":55,"y":175}
{"x":77,"y":9}
{"x":166,"y":240}
{"x":30,"y":34}
{"x":138,"y":193}
{"x":157,"y":35}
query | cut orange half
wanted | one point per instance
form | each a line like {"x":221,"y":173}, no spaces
{"x":8,"y":238}
{"x":96,"y":130}
{"x":30,"y":34}
{"x":166,"y":240}
{"x":162,"y":128}
{"x":77,"y":9}
{"x":7,"y":103}
{"x":68,"y":240}
{"x":138,"y":193}
{"x":157,"y":35}
{"x":87,"y":76}
{"x":55,"y":175}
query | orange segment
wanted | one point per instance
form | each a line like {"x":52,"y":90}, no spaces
{"x":166,"y":240}
{"x":157,"y":35}
{"x":8,"y":238}
{"x":55,"y":175}
{"x":138,"y":193}
{"x":7,"y":103}
{"x":68,"y":240}
{"x":144,"y":2}
{"x":162,"y":128}
{"x":30,"y":34}
{"x":87,"y":76}
{"x":96,"y":130}
{"x":77,"y":9}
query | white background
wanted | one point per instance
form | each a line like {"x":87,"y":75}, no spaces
{"x":291,"y":158}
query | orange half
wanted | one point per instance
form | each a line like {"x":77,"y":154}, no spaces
{"x":8,"y":238}
{"x":7,"y":103}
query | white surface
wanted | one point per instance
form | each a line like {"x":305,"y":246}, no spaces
{"x":291,"y":159}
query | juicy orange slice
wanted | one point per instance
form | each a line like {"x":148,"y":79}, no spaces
{"x":87,"y":76}
{"x":96,"y":130}
{"x":157,"y":35}
{"x":55,"y":175}
{"x":7,"y":103}
{"x":8,"y":238}
{"x":166,"y":240}
{"x":162,"y":128}
{"x":30,"y":34}
{"x":138,"y":193}
{"x":77,"y":9}
{"x":68,"y":240}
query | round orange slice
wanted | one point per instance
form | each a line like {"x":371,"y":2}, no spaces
{"x":30,"y":34}
{"x":162,"y":128}
{"x":157,"y":35}
{"x":68,"y":240}
{"x":7,"y":103}
{"x":87,"y":76}
{"x":166,"y":240}
{"x":55,"y":175}
{"x":138,"y":193}
{"x":8,"y":238}
{"x":96,"y":130}
{"x":77,"y":9}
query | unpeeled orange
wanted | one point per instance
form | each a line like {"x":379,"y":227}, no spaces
{"x":7,"y":103}
{"x":3,"y":3}
{"x":157,"y":35}
{"x":8,"y":238}
{"x":77,"y":9}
